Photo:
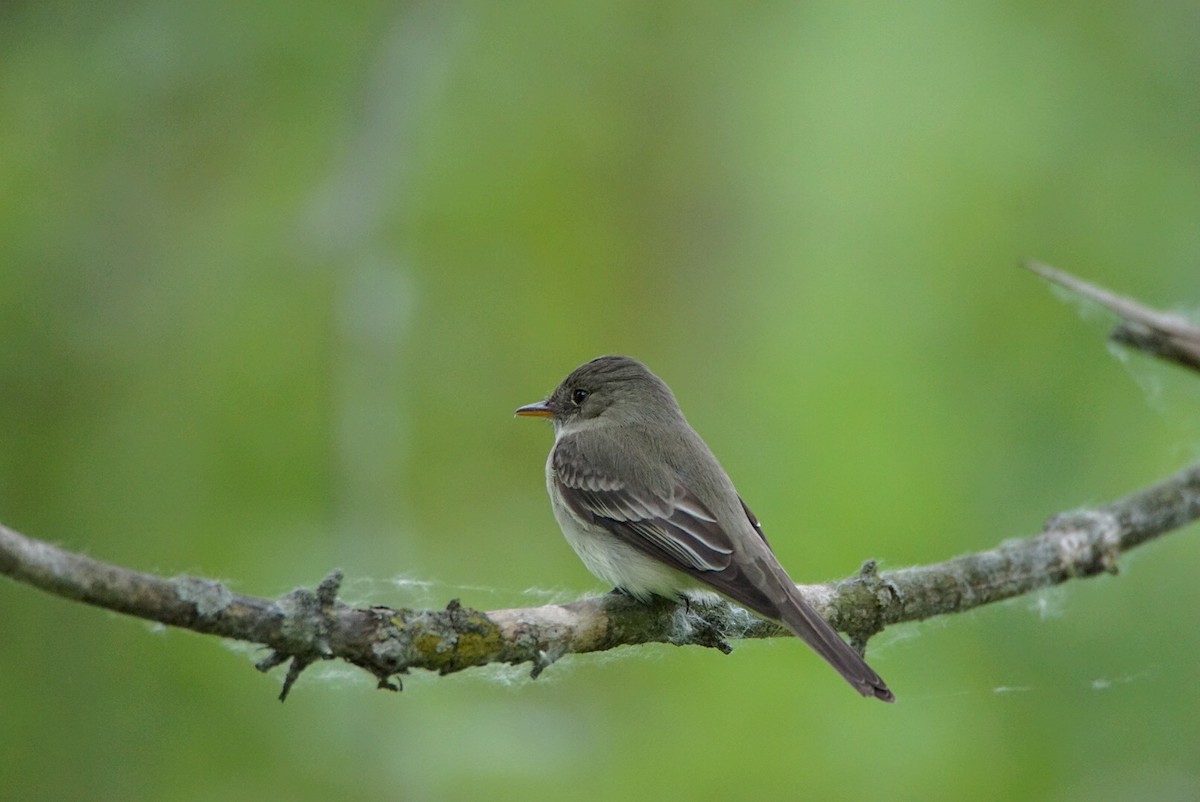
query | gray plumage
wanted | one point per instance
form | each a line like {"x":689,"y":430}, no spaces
{"x":646,"y":505}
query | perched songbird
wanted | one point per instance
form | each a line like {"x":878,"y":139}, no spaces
{"x":647,"y":507}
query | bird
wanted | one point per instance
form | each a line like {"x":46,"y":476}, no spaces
{"x":649,"y":510}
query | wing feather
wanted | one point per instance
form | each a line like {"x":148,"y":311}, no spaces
{"x":663,"y":519}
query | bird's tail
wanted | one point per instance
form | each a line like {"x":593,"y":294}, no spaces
{"x":800,"y":618}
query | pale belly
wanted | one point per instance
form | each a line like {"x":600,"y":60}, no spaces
{"x":618,"y":564}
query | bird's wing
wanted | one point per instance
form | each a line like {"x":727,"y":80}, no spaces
{"x":754,"y":522}
{"x":662,"y":519}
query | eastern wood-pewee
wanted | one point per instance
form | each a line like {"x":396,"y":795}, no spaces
{"x":647,"y":507}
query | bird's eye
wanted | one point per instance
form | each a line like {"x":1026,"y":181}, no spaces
{"x":579,"y":396}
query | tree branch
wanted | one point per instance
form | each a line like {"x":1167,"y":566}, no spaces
{"x":1171,"y":337}
{"x":305,"y":626}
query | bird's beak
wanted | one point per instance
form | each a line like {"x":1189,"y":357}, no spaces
{"x":541,"y":409}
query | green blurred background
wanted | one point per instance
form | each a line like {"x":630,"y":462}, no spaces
{"x":273,"y":279}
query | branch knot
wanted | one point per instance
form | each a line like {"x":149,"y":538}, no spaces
{"x":305,"y":629}
{"x":1088,"y":542}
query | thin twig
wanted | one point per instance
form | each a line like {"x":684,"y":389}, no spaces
{"x":1167,"y":336}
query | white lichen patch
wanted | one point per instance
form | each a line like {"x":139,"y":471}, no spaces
{"x":208,"y":597}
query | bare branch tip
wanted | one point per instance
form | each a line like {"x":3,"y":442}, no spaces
{"x":271,"y":661}
{"x":327,"y":591}
{"x":544,"y":658}
{"x":294,"y":671}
